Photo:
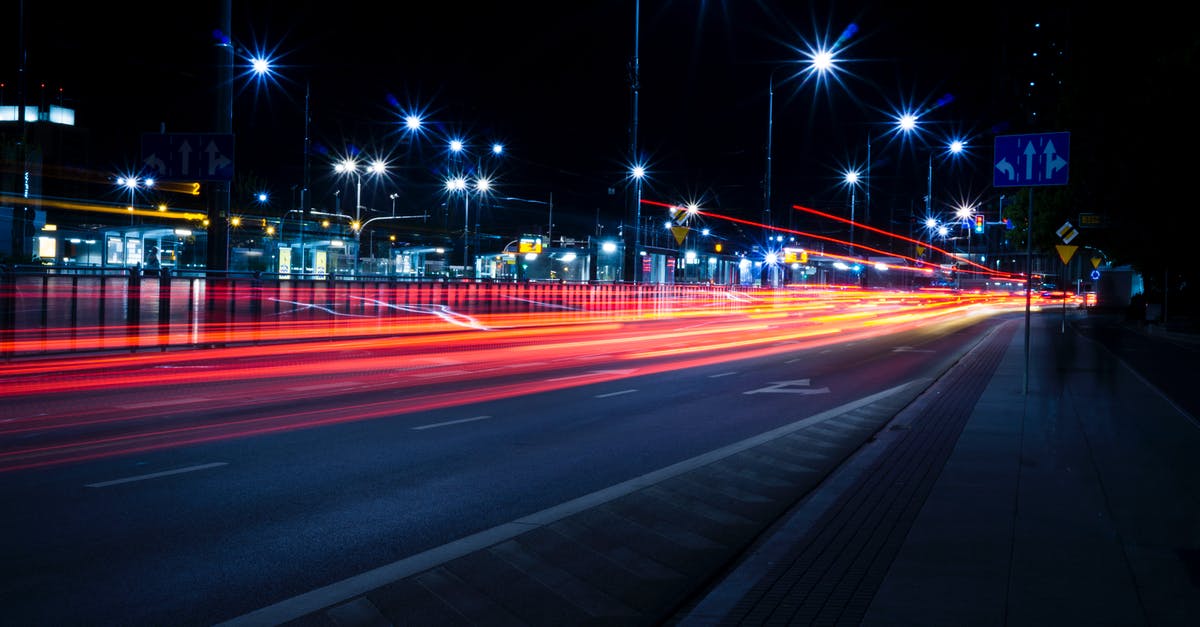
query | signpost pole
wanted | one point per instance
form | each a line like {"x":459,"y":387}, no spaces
{"x":1026,"y":161}
{"x":1028,"y":285}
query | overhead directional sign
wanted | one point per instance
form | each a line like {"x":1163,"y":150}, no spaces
{"x":188,"y":156}
{"x":1029,"y":160}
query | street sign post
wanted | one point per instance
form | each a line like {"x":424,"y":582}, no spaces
{"x":1030,"y":160}
{"x":188,"y":156}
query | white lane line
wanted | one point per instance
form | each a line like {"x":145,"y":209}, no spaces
{"x":792,"y":361}
{"x":614,"y":393}
{"x":720,"y":374}
{"x":155,"y":475}
{"x":339,"y":592}
{"x":449,"y":422}
{"x":163,"y":403}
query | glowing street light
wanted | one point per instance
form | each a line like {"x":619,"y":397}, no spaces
{"x":637,"y":173}
{"x":350,"y":166}
{"x":482,"y":185}
{"x":820,"y":62}
{"x":132,"y":183}
{"x":851,"y":178}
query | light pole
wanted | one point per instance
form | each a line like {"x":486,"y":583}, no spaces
{"x":966,"y":218}
{"x":851,"y":179}
{"x":459,"y":184}
{"x":350,"y":166}
{"x":638,"y":173}
{"x":819,"y":62}
{"x":132,"y":183}
{"x":907,"y":123}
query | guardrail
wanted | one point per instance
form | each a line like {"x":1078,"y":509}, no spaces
{"x":46,"y":310}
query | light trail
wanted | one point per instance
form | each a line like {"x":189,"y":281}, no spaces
{"x":57,"y":410}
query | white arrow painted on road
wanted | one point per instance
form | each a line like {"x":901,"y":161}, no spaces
{"x":795,"y":386}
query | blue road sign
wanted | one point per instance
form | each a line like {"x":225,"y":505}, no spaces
{"x":1029,"y":160}
{"x":188,"y":156}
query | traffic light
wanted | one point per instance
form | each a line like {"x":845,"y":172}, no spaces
{"x":978,"y":223}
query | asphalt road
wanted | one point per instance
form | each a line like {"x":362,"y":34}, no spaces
{"x":191,"y":504}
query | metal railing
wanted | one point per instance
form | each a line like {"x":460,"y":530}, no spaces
{"x":48,"y":310}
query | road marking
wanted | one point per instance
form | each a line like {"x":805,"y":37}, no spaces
{"x":449,"y":422}
{"x":155,"y":475}
{"x":592,"y":374}
{"x":614,"y":393}
{"x":795,"y":386}
{"x":163,"y":403}
{"x":909,"y":349}
{"x":720,"y":374}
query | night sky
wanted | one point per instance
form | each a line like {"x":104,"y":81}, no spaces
{"x":550,"y":81}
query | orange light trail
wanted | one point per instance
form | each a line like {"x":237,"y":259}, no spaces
{"x":65,"y":410}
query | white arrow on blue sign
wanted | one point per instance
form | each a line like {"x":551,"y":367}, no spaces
{"x":188,"y":156}
{"x":1029,"y":160}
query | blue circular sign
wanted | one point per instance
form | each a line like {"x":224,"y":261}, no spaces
{"x":1095,"y":275}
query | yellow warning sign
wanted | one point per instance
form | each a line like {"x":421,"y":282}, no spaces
{"x":1096,"y":261}
{"x":680,"y":233}
{"x":920,"y":251}
{"x":1066,"y":252}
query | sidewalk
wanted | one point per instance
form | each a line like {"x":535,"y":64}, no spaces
{"x":1077,"y":503}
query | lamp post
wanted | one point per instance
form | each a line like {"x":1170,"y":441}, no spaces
{"x":819,"y":62}
{"x":350,"y":166}
{"x":638,"y":173}
{"x":966,"y":217}
{"x":458,"y":184}
{"x":132,"y":183}
{"x":851,"y":179}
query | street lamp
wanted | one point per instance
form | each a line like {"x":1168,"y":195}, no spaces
{"x":458,"y":182}
{"x":133,"y":183}
{"x":482,"y":185}
{"x":851,"y":179}
{"x":350,"y":166}
{"x":819,"y":62}
{"x":907,"y":123}
{"x":638,"y":172}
